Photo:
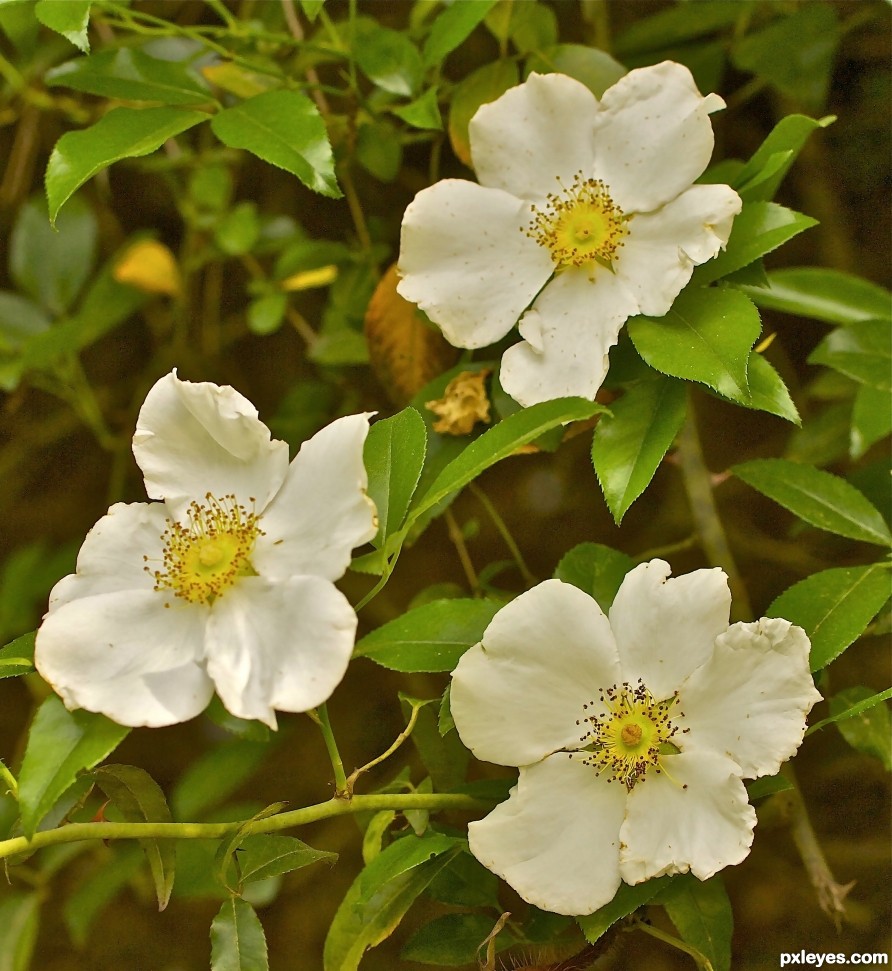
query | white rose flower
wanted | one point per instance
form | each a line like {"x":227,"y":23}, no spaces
{"x":632,"y":733}
{"x":227,"y":584}
{"x":585,"y":215}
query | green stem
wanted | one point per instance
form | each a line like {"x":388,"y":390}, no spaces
{"x":320,"y":716}
{"x":9,"y":779}
{"x":504,"y":532}
{"x":79,"y":832}
{"x":711,"y":533}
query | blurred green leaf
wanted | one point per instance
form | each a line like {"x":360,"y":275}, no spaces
{"x":387,"y":58}
{"x":311,"y":8}
{"x":706,"y":336}
{"x":596,"y":569}
{"x":131,"y":75}
{"x":19,"y":920}
{"x":139,"y":799}
{"x":817,"y":497}
{"x":863,"y":720}
{"x":122,"y":133}
{"x":452,"y":27}
{"x":834,"y":607}
{"x":478,"y":88}
{"x":379,"y":150}
{"x":453,"y":939}
{"x":61,"y":744}
{"x":266,"y":314}
{"x":862,"y":351}
{"x":759,"y":229}
{"x":95,"y":891}
{"x":627,"y":900}
{"x":285,"y":129}
{"x":237,"y":939}
{"x":21,"y":26}
{"x":829,"y":295}
{"x":702,"y":914}
{"x":683,"y":22}
{"x":429,"y":638}
{"x":629,"y":444}
{"x":423,"y":112}
{"x":871,"y":419}
{"x":238,"y":231}
{"x":215,"y":776}
{"x":529,"y":26}
{"x":68,"y":18}
{"x":594,"y":68}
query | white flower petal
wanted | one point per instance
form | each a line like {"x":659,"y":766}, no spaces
{"x":278,"y":645}
{"x":701,"y":828}
{"x":194,"y":439}
{"x":665,"y":628}
{"x":322,"y":511}
{"x":126,"y":656}
{"x":750,"y":700}
{"x":535,"y":136}
{"x":112,"y":556}
{"x":567,"y":333}
{"x":663,"y":247}
{"x":653,"y":136}
{"x":516,"y":697}
{"x":556,"y":839}
{"x":466,"y":261}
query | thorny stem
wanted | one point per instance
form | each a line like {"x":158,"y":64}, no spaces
{"x":9,"y":779}
{"x":398,"y":741}
{"x":320,"y":717}
{"x":504,"y":532}
{"x":698,"y":485}
{"x":79,"y":832}
{"x":701,"y":960}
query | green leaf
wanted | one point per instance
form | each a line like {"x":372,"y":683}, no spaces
{"x":215,"y":776}
{"x":862,"y":351}
{"x":767,"y":786}
{"x":794,"y":52}
{"x":285,"y":129}
{"x":829,"y":295}
{"x":594,"y":68}
{"x":466,"y":883}
{"x":19,"y":919}
{"x":122,"y":133}
{"x":237,"y":939}
{"x":444,"y":756}
{"x":859,"y":701}
{"x":238,"y":231}
{"x":423,"y":112}
{"x":706,"y":337}
{"x":381,"y":894}
{"x":596,"y":569}
{"x":61,"y":744}
{"x":265,"y":314}
{"x":453,"y":939}
{"x":311,"y":8}
{"x":68,"y":18}
{"x":139,"y":799}
{"x":817,"y":497}
{"x":94,"y":892}
{"x":777,"y":153}
{"x":627,"y":900}
{"x":387,"y":58}
{"x":52,"y":267}
{"x":129,"y":74}
{"x":869,"y":729}
{"x":834,"y":607}
{"x":630,"y":443}
{"x":702,"y":914}
{"x":499,"y":442}
{"x":768,"y":391}
{"x":259,"y":857}
{"x":871,"y":419}
{"x":429,"y":638}
{"x":379,"y":150}
{"x":758,"y":229}
{"x":529,"y":26}
{"x":394,"y":457}
{"x":478,"y":88}
{"x":451,"y":27}
{"x":678,"y":24}
{"x":17,"y":657}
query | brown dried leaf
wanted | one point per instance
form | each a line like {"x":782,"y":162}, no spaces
{"x":405,"y":351}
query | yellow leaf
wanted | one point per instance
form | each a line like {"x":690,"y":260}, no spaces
{"x":149,"y":266}
{"x":235,"y":79}
{"x":320,"y":277}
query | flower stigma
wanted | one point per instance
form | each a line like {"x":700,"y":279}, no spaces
{"x":205,"y":556}
{"x":580,"y":225}
{"x":632,"y":737}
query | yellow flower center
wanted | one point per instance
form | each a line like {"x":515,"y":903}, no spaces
{"x":207,"y":554}
{"x":633,"y":736}
{"x":579,"y":225}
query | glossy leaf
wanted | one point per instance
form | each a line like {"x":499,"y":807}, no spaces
{"x":630,"y":443}
{"x":627,"y":900}
{"x":429,"y":638}
{"x":451,"y":27}
{"x":702,"y":914}
{"x":759,"y":228}
{"x":285,"y":129}
{"x":67,"y":17}
{"x":596,"y":569}
{"x":394,"y":457}
{"x":122,"y":133}
{"x":17,"y":657}
{"x":706,"y":337}
{"x":871,"y":419}
{"x":139,"y":799}
{"x":237,"y":939}
{"x":834,"y":607}
{"x":817,"y":497}
{"x":381,"y":895}
{"x":130,"y":74}
{"x":768,"y":391}
{"x":61,"y":744}
{"x":833,"y":296}
{"x":862,"y":351}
